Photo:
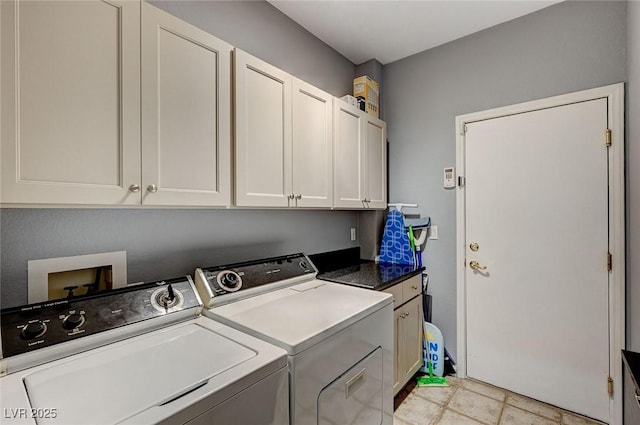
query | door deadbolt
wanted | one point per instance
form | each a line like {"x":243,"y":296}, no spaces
{"x":474,"y":246}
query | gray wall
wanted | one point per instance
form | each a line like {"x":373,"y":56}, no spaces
{"x":632,"y":411}
{"x":167,"y":243}
{"x":567,"y":47}
{"x":262,"y":30}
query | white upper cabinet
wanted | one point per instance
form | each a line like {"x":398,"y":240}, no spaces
{"x":376,"y":162}
{"x":70,"y":117}
{"x":186,"y":113}
{"x":262,"y":133}
{"x":75,"y":128}
{"x":360,"y":160}
{"x":284,"y":138}
{"x":312,"y":162}
{"x":349,"y":158}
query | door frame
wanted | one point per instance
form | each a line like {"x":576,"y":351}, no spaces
{"x":615,"y":98}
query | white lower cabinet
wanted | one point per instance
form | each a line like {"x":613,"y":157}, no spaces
{"x":408,"y":323}
{"x":360,"y":159}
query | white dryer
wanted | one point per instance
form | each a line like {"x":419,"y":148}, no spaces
{"x":139,"y":355}
{"x":339,"y":339}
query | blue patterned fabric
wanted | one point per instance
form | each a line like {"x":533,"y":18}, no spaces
{"x":395,"y":242}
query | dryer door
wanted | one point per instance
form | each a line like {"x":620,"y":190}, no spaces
{"x":355,"y":398}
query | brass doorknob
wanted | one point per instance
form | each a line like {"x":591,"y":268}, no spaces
{"x":476,"y":265}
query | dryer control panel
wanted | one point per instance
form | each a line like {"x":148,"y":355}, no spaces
{"x":232,"y":281}
{"x":48,"y":323}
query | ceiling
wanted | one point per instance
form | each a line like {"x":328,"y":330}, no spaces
{"x":388,"y":30}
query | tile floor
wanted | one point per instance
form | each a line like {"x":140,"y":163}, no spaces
{"x":468,"y":402}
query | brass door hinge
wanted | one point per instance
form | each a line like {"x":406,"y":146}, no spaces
{"x":608,"y":137}
{"x":610,"y":386}
{"x":609,"y":261}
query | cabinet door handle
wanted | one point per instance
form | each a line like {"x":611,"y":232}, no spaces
{"x":152,"y":188}
{"x":134,"y":188}
{"x":414,"y":287}
{"x":299,"y":196}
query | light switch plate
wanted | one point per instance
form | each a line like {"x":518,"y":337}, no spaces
{"x":433,"y":232}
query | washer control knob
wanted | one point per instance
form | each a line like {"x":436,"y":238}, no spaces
{"x":33,"y":330}
{"x":229,"y":280}
{"x":72,"y":321}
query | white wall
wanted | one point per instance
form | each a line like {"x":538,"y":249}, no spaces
{"x":632,"y":411}
{"x":564,"y":48}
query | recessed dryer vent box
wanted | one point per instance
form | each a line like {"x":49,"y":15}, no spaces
{"x":48,"y":278}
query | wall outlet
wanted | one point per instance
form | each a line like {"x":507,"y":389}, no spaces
{"x":353,"y":233}
{"x":433,"y":232}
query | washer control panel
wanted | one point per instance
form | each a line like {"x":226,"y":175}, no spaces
{"x":232,"y":278}
{"x":39,"y":325}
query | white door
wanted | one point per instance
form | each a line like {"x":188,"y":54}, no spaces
{"x":312,"y":154}
{"x":537,"y":219}
{"x":70,"y":102}
{"x":349,"y":139}
{"x":186,"y":113}
{"x":263,"y":133}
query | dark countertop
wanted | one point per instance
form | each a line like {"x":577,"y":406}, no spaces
{"x":632,"y":361}
{"x":371,"y":275}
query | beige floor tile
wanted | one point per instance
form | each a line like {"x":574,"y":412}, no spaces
{"x":418,"y":411}
{"x":571,"y":419}
{"x":484,"y":389}
{"x":476,"y":406}
{"x":449,"y":417}
{"x":398,"y":421}
{"x":514,"y":416}
{"x":454,"y":380}
{"x":440,"y":395}
{"x":534,"y":406}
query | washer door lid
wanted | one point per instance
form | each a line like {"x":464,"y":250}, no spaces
{"x":116,"y":382}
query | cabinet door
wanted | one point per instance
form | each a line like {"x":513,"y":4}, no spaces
{"x":376,"y":163}
{"x":70,"y":102}
{"x":312,"y":146}
{"x":398,"y":350}
{"x":263,"y":133}
{"x":186,"y":113}
{"x":412,"y":338}
{"x":349,"y":156}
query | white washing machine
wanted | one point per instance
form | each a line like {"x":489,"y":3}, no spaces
{"x":339,"y":339}
{"x":138,"y":355}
